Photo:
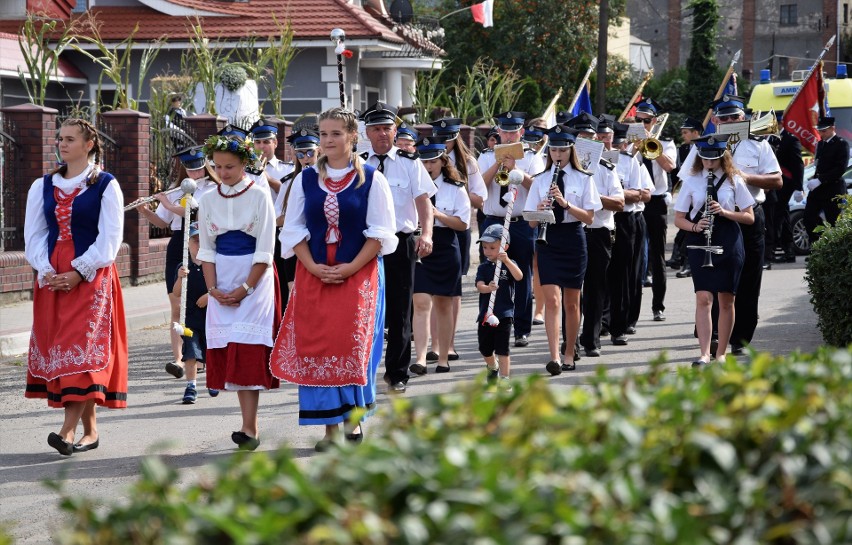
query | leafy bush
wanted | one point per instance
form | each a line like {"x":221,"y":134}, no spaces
{"x":735,"y":455}
{"x":827,"y":274}
{"x":233,"y":76}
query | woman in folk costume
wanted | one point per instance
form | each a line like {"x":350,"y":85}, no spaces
{"x":73,"y":231}
{"x":339,"y":222}
{"x":236,"y":227}
{"x":714,"y":200}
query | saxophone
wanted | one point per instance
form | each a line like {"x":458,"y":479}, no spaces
{"x":708,"y":248}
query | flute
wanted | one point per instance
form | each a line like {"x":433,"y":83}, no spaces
{"x":145,"y":200}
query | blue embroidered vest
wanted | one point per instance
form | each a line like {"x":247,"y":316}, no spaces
{"x":352,"y":203}
{"x":85,"y":213}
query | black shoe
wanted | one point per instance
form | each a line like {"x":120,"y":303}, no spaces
{"x":767,"y":266}
{"x":685,"y":272}
{"x":491,"y":377}
{"x":79,"y":447}
{"x":604,"y":331}
{"x":714,"y":346}
{"x":174,"y":369}
{"x":659,"y":316}
{"x":593,"y":353}
{"x":553,"y":368}
{"x":62,"y":446}
{"x":647,"y":283}
{"x":417,"y":369}
{"x":700,"y":363}
{"x":537,"y":321}
{"x":576,"y":354}
{"x":568,"y":366}
{"x":737,"y":350}
{"x":620,"y":340}
{"x":245,"y":441}
{"x":355,"y":438}
{"x":397,"y":388}
{"x":453,"y":357}
{"x":630,"y":330}
{"x":673,"y":263}
{"x":522,"y":341}
{"x":431,"y":356}
{"x":442,"y":368}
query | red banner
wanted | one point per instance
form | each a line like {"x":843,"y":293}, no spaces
{"x":800,"y":117}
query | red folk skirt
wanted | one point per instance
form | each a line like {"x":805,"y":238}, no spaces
{"x":78,"y":345}
{"x":326,"y":338}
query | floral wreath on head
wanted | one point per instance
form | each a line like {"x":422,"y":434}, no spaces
{"x":244,"y":149}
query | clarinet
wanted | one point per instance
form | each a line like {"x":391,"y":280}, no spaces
{"x":542,"y":232}
{"x":708,"y":247}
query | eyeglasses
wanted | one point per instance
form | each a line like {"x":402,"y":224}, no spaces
{"x":646,"y":120}
{"x":303,"y":154}
{"x":729,"y":117}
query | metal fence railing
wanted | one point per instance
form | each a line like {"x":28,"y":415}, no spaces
{"x":13,"y":190}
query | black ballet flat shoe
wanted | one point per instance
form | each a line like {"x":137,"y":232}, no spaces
{"x":80,"y":447}
{"x":418,"y":369}
{"x":553,"y":368}
{"x":699,"y":363}
{"x":568,"y":366}
{"x":245,"y":441}
{"x":442,"y":368}
{"x":453,"y":357}
{"x":62,"y":446}
{"x":355,"y":438}
{"x":431,"y":356}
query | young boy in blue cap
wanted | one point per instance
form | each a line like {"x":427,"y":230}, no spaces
{"x":495,"y":339}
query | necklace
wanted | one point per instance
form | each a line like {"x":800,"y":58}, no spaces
{"x":64,"y":199}
{"x":337,"y":186}
{"x":237,"y":194}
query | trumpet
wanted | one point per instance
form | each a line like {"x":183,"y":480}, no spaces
{"x":502,"y":176}
{"x":708,"y":248}
{"x":145,"y":200}
{"x":650,"y":148}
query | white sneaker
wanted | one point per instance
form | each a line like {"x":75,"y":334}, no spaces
{"x":505,"y":384}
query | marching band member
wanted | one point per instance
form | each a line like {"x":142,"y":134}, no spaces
{"x":562,"y":261}
{"x":731,"y":207}
{"x":236,"y":225}
{"x":759,"y":169}
{"x":72,"y":232}
{"x":305,"y":145}
{"x":656,"y":211}
{"x":510,"y":126}
{"x":411,"y":189}
{"x":831,"y":159}
{"x":405,"y":138}
{"x":535,"y":138}
{"x":437,"y":278}
{"x":461,"y":158}
{"x":599,"y":239}
{"x":624,"y":273}
{"x":265,"y":139}
{"x":690,"y":129}
{"x":339,"y":223}
{"x":170,"y":214}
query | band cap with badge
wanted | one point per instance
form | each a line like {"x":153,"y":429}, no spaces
{"x":430,"y":148}
{"x":192,"y":158}
{"x":511,"y":121}
{"x":605,"y":123}
{"x":584,"y":123}
{"x":233,"y":130}
{"x":533,"y":134}
{"x":648,"y":106}
{"x":824,"y":122}
{"x":728,"y":105}
{"x":404,"y":132}
{"x":303,"y":139}
{"x":448,"y":128}
{"x":692,"y":124}
{"x":380,"y":114}
{"x":261,"y":130}
{"x":712,"y":146}
{"x":560,"y":137}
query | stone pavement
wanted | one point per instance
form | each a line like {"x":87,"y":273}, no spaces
{"x":191,"y":436}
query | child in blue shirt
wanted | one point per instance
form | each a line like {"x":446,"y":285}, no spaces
{"x":495,"y":339}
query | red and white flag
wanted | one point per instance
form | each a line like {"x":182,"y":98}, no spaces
{"x":483,"y":13}
{"x":800,"y":117}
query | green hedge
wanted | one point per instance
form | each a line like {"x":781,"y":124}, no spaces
{"x":828,"y":277}
{"x":744,"y":454}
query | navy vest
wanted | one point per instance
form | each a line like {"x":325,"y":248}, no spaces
{"x":352,"y":202}
{"x":85,"y":213}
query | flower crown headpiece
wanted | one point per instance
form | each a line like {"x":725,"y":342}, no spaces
{"x":244,"y":149}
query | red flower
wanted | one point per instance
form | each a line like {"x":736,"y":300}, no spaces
{"x":347,"y":53}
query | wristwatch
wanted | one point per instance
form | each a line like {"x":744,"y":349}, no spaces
{"x":249,"y":289}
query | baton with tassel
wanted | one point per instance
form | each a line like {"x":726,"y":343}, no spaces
{"x":188,"y":186}
{"x":515,"y":179}
{"x":338,"y":36}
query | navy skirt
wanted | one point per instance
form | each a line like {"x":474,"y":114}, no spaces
{"x":464,"y":248}
{"x":174,"y":257}
{"x":562,"y":262}
{"x":439,"y":273}
{"x":724,"y":275}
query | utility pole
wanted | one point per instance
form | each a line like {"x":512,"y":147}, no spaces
{"x":600,"y":85}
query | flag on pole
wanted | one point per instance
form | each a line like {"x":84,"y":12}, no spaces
{"x":583,"y":103}
{"x":632,"y":111}
{"x":549,"y":114}
{"x":483,"y":13}
{"x":800,"y":117}
{"x":730,"y":89}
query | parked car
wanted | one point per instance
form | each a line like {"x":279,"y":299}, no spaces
{"x":797,"y":209}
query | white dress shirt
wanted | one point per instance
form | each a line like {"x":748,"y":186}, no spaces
{"x":532,"y":164}
{"x":110,"y":227}
{"x":475,"y":182}
{"x":408,"y":180}
{"x":175,"y":221}
{"x":730,"y":195}
{"x":580,"y":191}
{"x":452,"y":200}
{"x":608,"y":185}
{"x":634,"y":177}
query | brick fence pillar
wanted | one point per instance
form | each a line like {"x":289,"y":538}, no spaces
{"x":205,"y":125}
{"x":285,"y":129}
{"x":132,"y":131}
{"x":35,"y":133}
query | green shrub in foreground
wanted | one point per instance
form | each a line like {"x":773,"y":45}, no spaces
{"x":734,"y":455}
{"x":827,"y":274}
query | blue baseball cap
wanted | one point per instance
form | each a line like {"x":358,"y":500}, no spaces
{"x":493,"y":233}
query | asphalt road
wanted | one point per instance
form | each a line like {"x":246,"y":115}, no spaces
{"x":191,"y":436}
